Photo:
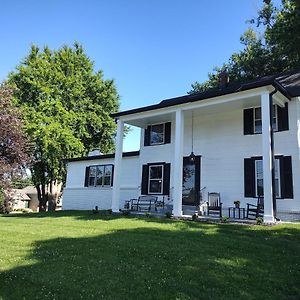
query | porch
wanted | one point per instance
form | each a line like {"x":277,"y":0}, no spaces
{"x":189,"y":138}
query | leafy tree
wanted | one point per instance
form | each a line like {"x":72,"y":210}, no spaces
{"x":275,"y":50}
{"x":13,"y":145}
{"x":66,"y":106}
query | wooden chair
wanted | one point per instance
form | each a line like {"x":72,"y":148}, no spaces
{"x":255,"y":211}
{"x":214,"y":205}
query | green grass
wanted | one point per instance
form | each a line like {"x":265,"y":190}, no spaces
{"x":77,"y":255}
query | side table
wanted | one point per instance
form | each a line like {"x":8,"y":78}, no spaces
{"x":237,"y":212}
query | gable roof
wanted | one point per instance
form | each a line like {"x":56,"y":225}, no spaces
{"x":287,"y":83}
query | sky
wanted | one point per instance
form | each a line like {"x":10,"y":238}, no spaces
{"x":153,"y":49}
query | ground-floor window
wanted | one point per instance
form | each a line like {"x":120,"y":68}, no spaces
{"x":155,"y":179}
{"x":99,"y":175}
{"x":254,"y":181}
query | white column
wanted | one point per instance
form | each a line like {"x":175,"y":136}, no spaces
{"x":267,"y":159}
{"x":178,"y":164}
{"x":115,"y":205}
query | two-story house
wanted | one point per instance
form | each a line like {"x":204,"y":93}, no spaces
{"x":241,"y":140}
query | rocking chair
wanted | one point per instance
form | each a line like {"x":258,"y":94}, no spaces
{"x":214,"y":205}
{"x":255,"y":211}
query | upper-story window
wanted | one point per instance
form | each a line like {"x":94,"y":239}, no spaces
{"x":157,"y":134}
{"x":100,"y":175}
{"x":258,"y":119}
{"x":253,"y":119}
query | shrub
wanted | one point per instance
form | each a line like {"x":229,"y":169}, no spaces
{"x":126,"y":212}
{"x":168,"y":214}
{"x":259,"y":221}
{"x":194,"y":217}
{"x":224,"y":219}
{"x":148,"y":215}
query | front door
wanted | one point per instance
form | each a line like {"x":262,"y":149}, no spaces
{"x":191,"y":181}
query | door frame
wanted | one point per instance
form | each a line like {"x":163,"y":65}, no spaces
{"x":197,"y":178}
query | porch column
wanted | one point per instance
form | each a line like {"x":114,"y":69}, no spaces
{"x":115,"y":204}
{"x":178,"y":164}
{"x":267,"y":158}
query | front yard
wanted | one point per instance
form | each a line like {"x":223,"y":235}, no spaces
{"x":77,"y":255}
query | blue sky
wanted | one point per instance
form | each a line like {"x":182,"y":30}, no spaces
{"x":153,"y":49}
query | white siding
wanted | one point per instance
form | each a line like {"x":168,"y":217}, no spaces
{"x":219,"y":139}
{"x":76,"y":196}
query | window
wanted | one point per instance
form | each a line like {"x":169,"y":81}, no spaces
{"x":258,"y":120}
{"x":100,"y":175}
{"x":157,"y":134}
{"x":155,"y":179}
{"x":259,"y":178}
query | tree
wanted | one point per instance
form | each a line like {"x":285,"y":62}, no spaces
{"x":66,"y":107}
{"x":13,"y":144}
{"x":275,"y":50}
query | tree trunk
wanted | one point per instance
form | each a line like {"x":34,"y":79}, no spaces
{"x":53,"y":195}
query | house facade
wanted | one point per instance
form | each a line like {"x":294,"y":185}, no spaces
{"x":241,"y":140}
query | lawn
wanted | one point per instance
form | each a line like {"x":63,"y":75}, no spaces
{"x":77,"y":255}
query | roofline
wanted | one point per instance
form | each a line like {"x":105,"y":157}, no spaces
{"x":211,"y":93}
{"x":103,"y":156}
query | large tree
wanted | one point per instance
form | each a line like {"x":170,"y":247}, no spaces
{"x":66,"y":106}
{"x":275,"y":49}
{"x":13,"y":143}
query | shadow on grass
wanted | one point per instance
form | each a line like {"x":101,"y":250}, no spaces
{"x":207,"y":262}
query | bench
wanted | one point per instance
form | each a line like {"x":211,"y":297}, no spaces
{"x":143,"y":203}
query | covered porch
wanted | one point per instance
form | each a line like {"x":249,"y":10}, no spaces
{"x":190,"y":137}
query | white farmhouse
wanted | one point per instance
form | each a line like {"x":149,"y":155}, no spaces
{"x":225,"y":140}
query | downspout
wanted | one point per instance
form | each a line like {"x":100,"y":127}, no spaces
{"x":272,"y":153}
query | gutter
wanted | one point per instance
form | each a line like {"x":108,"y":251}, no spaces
{"x":272,"y":153}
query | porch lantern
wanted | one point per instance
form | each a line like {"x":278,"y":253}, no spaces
{"x":192,"y":156}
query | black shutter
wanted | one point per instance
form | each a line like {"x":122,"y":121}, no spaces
{"x":168,"y":133}
{"x":86,"y":179}
{"x":197,"y":179}
{"x":112,"y":175}
{"x":248,"y":121}
{"x":145,"y":179}
{"x":166,"y":187}
{"x":147,"y":136}
{"x":249,"y":177}
{"x":283,"y":117}
{"x":286,"y":177}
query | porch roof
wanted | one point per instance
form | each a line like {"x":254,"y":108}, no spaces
{"x":287,"y":83}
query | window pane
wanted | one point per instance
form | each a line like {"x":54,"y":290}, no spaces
{"x":108,"y":170}
{"x":258,"y":126}
{"x":107,"y":180}
{"x":155,"y":186}
{"x":259,"y":169}
{"x":258,"y":113}
{"x":260,"y":187}
{"x":91,"y":181}
{"x":100,"y":173}
{"x":92,"y":171}
{"x":157,"y":134}
{"x":155,"y":172}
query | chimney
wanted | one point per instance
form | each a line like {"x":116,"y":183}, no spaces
{"x":223,"y":79}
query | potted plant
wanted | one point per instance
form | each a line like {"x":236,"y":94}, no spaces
{"x":237,"y":203}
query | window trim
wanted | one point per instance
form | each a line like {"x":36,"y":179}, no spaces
{"x":275,"y":128}
{"x":163,"y":134}
{"x":162,"y":179}
{"x":103,"y":177}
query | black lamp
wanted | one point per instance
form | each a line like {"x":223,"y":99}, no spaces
{"x":192,"y":156}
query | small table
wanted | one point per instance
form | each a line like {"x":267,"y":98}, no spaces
{"x":237,"y":212}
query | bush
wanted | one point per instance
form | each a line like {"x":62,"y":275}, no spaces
{"x":168,"y":214}
{"x":224,"y":219}
{"x":23,"y":210}
{"x":194,"y":217}
{"x":259,"y":221}
{"x":148,"y":215}
{"x":126,"y":212}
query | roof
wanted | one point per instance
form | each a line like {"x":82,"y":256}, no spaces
{"x":287,"y":83}
{"x":103,"y":156}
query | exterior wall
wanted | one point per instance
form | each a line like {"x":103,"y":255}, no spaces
{"x":78,"y":197}
{"x":220,"y":141}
